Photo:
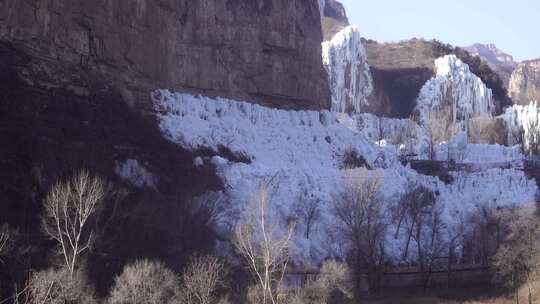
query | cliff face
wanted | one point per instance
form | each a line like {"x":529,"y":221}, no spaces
{"x":399,"y":71}
{"x":267,"y":51}
{"x":334,"y":18}
{"x":75,"y":83}
{"x":525,"y":82}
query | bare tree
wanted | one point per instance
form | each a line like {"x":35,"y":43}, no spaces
{"x":264,"y":247}
{"x":202,"y":277}
{"x":69,"y":206}
{"x":360,"y":221}
{"x":308,"y":210}
{"x":439,"y":128}
{"x":420,"y":218}
{"x":409,"y":213}
{"x":518,"y":259}
{"x":532,"y":136}
{"x":484,"y":235}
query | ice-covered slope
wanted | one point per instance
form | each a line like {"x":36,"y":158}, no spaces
{"x":454,"y":88}
{"x":407,"y":138}
{"x":345,"y":60}
{"x":301,"y":154}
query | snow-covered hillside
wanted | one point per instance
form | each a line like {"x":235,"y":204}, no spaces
{"x":454,"y":88}
{"x":345,"y":60}
{"x":302,"y":155}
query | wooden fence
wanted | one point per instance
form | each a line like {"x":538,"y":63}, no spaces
{"x":410,"y":277}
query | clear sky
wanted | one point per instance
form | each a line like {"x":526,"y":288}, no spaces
{"x":513,"y":25}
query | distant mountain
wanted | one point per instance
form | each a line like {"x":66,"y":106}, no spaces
{"x":502,"y":63}
{"x":524,"y":85}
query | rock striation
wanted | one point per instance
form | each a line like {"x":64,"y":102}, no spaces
{"x":267,"y":51}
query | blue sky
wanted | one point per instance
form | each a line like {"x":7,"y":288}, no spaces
{"x":513,"y":25}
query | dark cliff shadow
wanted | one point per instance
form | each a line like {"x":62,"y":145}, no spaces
{"x":47,"y":131}
{"x":398,"y":89}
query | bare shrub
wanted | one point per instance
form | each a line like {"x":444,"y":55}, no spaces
{"x":57,"y":287}
{"x":332,"y":285}
{"x":201,"y":279}
{"x":485,"y":129}
{"x":224,"y":300}
{"x":517,"y":261}
{"x":145,"y":282}
{"x":264,"y":248}
{"x":352,"y":159}
{"x":69,"y":206}
{"x":360,"y":221}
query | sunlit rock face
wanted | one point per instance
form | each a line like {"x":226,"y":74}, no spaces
{"x":525,"y":82}
{"x":456,"y":88}
{"x":266,"y":52}
{"x":345,"y":60}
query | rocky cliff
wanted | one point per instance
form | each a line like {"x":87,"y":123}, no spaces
{"x":399,"y":71}
{"x":266,"y":51}
{"x":75,"y":83}
{"x":525,"y":83}
{"x":502,"y":63}
{"x":334,"y":18}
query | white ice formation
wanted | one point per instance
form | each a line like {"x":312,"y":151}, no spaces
{"x":345,"y":60}
{"x":523,"y":124}
{"x":454,"y":88}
